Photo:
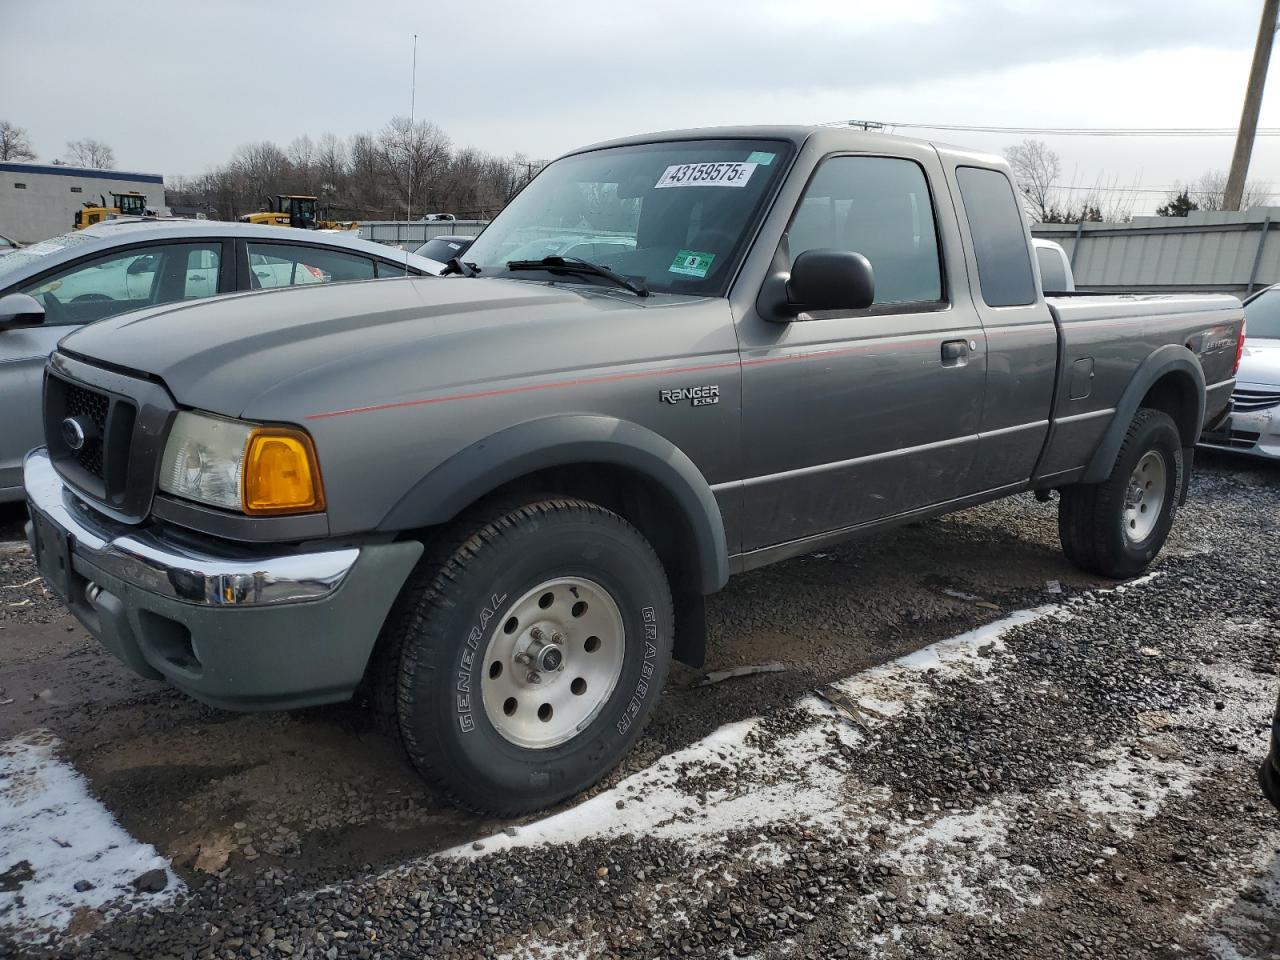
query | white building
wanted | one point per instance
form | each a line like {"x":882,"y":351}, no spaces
{"x":38,"y":200}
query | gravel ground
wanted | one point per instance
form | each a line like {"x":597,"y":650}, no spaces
{"x":1076,"y":781}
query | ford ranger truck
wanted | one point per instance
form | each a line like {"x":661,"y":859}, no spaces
{"x":493,"y":502}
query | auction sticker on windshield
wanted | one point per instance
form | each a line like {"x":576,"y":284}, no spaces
{"x":729,"y":174}
{"x":691,"y":263}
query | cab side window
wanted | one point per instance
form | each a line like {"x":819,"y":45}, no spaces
{"x":288,"y":265}
{"x":999,"y":237}
{"x":879,"y":207}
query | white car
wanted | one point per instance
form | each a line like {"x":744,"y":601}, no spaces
{"x":1255,"y":416}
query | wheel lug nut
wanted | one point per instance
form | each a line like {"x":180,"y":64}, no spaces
{"x":522,"y":658}
{"x":536,"y":633}
{"x":533,"y":677}
{"x":557,"y":638}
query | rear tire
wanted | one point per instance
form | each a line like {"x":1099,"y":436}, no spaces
{"x":526,"y":653}
{"x":1115,"y":528}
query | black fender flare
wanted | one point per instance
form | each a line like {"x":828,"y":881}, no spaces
{"x":535,"y":445}
{"x":1171,"y":358}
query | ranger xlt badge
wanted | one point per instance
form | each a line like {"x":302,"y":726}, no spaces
{"x":697,"y":396}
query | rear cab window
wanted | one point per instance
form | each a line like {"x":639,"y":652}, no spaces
{"x":999,"y":237}
{"x":1053,"y":275}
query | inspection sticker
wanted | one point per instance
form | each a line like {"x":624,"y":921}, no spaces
{"x":761,"y":157}
{"x":691,"y":263}
{"x":729,"y":174}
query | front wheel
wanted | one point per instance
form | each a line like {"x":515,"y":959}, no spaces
{"x":527,"y":655}
{"x":1116,"y":527}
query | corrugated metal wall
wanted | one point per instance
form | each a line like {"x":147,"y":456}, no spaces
{"x":1211,"y":251}
{"x":417,"y":232}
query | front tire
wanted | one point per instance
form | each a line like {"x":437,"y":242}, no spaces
{"x":1115,"y":528}
{"x":527,"y":654}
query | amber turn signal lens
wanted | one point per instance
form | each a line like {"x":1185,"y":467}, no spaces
{"x":280,"y":473}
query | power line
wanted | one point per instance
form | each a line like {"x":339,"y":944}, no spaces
{"x":1058,"y":131}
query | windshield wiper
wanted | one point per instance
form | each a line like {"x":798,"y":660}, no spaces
{"x":578,"y":265}
{"x":455,"y":265}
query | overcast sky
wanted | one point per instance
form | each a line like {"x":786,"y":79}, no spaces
{"x":174,"y":86}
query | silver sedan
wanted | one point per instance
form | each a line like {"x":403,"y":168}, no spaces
{"x":122,"y":265}
{"x":1255,"y":418}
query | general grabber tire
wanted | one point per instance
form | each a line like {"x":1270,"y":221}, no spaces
{"x":528,"y":652}
{"x":1116,"y":527}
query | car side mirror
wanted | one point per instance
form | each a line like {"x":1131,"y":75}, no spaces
{"x":831,"y":280}
{"x":18,"y":310}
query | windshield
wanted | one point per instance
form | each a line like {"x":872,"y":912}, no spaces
{"x":676,"y":215}
{"x":1261,"y":315}
{"x":442,"y":249}
{"x":22,"y":259}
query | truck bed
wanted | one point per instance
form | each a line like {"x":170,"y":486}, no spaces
{"x":1098,"y":370}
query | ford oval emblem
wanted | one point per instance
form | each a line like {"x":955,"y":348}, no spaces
{"x":72,"y":433}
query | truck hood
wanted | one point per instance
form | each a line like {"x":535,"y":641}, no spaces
{"x":225,"y":354}
{"x":1260,"y":363}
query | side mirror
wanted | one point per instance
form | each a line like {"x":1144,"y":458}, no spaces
{"x":19,"y":310}
{"x":831,"y":280}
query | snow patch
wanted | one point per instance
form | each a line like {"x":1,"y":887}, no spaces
{"x":53,"y":834}
{"x":956,"y":860}
{"x":787,"y":780}
{"x":1129,"y":789}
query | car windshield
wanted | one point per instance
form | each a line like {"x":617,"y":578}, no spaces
{"x":442,"y":249}
{"x":1262,"y":315}
{"x":20,"y":261}
{"x":676,"y":215}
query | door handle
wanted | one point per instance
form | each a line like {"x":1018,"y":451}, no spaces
{"x":955,"y":353}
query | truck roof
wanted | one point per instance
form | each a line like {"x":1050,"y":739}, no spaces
{"x":831,"y":137}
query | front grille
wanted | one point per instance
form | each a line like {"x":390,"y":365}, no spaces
{"x":1247,"y":400}
{"x":100,"y":468}
{"x":89,"y":403}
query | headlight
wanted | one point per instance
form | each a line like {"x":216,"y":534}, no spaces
{"x":239,"y":466}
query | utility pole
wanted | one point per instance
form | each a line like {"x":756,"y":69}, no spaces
{"x":1252,"y":106}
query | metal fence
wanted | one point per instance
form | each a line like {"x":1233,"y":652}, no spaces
{"x":414,"y":233}
{"x":1214,"y":251}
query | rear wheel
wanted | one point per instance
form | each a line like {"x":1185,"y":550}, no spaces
{"x":526,"y":655}
{"x":1117,"y":527}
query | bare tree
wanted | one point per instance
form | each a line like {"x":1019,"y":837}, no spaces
{"x":362,"y":177}
{"x":331,"y":162}
{"x":14,"y":142}
{"x":259,"y":170}
{"x":91,"y":153}
{"x":1210,"y":189}
{"x":418,"y":149}
{"x":1035,"y":170}
{"x":302,"y":157}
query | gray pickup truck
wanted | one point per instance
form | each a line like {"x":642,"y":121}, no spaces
{"x":496,"y":500}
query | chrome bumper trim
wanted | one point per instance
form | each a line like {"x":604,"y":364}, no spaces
{"x":148,"y":560}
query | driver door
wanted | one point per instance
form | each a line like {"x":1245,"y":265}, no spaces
{"x":856,"y":416}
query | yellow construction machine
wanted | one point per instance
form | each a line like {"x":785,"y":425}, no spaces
{"x":295,"y":210}
{"x":131,"y":204}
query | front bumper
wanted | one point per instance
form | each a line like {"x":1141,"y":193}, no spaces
{"x":231,"y":627}
{"x":1253,"y":432}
